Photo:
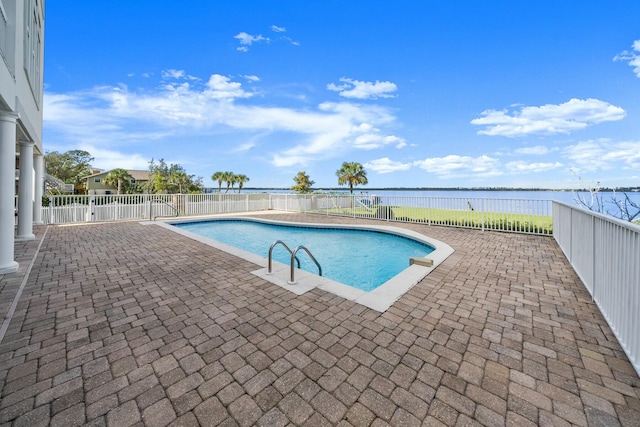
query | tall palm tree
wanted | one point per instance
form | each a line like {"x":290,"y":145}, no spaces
{"x":116,"y":177}
{"x":180,"y":179}
{"x":218,"y":176}
{"x":241,"y":179}
{"x":352,"y":173}
{"x":229,"y":178}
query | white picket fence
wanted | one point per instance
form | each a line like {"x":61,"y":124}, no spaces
{"x":605,"y":253}
{"x":514,"y":215}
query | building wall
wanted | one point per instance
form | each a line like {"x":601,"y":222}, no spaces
{"x":100,"y":188}
{"x":21,"y":105}
{"x":21,"y":67}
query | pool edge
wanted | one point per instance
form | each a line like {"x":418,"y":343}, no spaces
{"x":379,"y":299}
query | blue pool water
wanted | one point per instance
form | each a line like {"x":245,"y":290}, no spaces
{"x":359,"y":258}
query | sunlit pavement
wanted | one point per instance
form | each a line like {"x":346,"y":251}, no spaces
{"x":124,"y":324}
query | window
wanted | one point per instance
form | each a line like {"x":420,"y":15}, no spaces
{"x":97,"y":180}
{"x":7,"y":33}
{"x":132,"y":181}
{"x":33,"y":45}
{"x":4,"y":29}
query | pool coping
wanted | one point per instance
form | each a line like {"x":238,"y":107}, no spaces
{"x":379,"y":299}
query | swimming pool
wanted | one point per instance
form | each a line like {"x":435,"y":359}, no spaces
{"x":363,"y":259}
{"x":379,"y":299}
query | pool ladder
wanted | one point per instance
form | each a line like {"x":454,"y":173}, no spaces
{"x":293,"y":257}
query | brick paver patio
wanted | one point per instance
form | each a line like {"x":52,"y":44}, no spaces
{"x":126,"y":324}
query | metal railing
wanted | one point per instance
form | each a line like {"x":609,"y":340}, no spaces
{"x":270,"y":257}
{"x":512,"y":215}
{"x":605,"y":253}
{"x":294,"y":257}
{"x":175,"y":210}
{"x":292,"y":281}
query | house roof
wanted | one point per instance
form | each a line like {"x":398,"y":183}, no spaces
{"x":138,"y":175}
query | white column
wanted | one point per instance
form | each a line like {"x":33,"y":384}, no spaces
{"x":38,"y":164}
{"x":25,"y":192}
{"x":7,"y":191}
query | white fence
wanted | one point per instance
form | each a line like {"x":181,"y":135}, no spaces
{"x":514,"y":215}
{"x":605,"y":253}
{"x":72,"y":209}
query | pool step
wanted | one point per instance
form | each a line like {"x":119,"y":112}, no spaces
{"x":425,"y":262}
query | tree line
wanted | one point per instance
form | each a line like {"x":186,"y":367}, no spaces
{"x":230,"y":179}
{"x":74,"y":166}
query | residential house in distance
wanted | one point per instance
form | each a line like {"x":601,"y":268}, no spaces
{"x":21,"y":103}
{"x":95,"y":184}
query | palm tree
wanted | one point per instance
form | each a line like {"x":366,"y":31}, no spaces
{"x":116,"y":177}
{"x":229,"y":178}
{"x":241,"y":179}
{"x":218,"y":176}
{"x":180,"y":179}
{"x":352,"y":173}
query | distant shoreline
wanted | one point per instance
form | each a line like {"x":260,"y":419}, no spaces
{"x":358,"y":190}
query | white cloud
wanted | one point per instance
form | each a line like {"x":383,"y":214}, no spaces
{"x":252,"y":78}
{"x":290,"y":40}
{"x":525,"y":167}
{"x":110,"y":159}
{"x":221,"y":87}
{"x":176,"y":75}
{"x":189,"y":111}
{"x":537,"y":150}
{"x":632,"y":57}
{"x":247,"y":40}
{"x":548,"y":119}
{"x":385,"y":165}
{"x":363,"y":90}
{"x":172,"y":74}
{"x":454,"y":166}
{"x":370,"y":138}
{"x":245,"y":147}
{"x":604,"y":154}
{"x":277,"y":29}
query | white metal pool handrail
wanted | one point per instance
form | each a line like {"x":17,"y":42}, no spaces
{"x":293,"y":256}
{"x":273,"y":245}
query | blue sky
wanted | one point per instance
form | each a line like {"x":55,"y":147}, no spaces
{"x":422,"y":93}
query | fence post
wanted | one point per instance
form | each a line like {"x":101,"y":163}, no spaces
{"x":353,"y":205}
{"x":50,"y":210}
{"x":92,"y":208}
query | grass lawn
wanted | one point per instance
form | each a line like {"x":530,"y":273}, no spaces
{"x":463,"y":218}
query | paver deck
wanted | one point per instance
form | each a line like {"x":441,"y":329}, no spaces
{"x":126,"y":324}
